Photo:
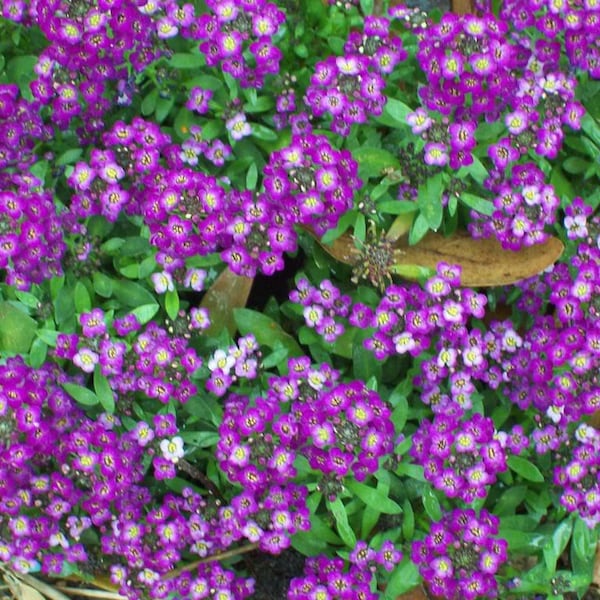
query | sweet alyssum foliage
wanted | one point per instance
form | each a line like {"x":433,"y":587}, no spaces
{"x":387,"y":430}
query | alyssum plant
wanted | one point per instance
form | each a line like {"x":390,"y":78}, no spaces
{"x":406,"y":396}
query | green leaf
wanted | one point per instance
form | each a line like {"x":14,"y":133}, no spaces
{"x":412,"y":471}
{"x":81,"y":394}
{"x":83,"y":302}
{"x":476,"y":170}
{"x":432,"y":505}
{"x":275,"y":359}
{"x":172,"y":304}
{"x":134,"y":246}
{"x":366,"y":6}
{"x":372,"y":161}
{"x":429,"y":200}
{"x":103,"y":285}
{"x":263,"y":133}
{"x":524,"y":468}
{"x":48,"y":336}
{"x":509,"y":500}
{"x":341,"y":520}
{"x":404,"y":578}
{"x":396,"y":207}
{"x":149,"y":102}
{"x":481,"y":205}
{"x":266,"y":330}
{"x":251,"y":177}
{"x":186,"y":60}
{"x":64,"y":306}
{"x":104,"y":392}
{"x":394,"y":114}
{"x":557,"y":544}
{"x":17,"y":329}
{"x":163,"y":108}
{"x":28,"y":299}
{"x":418,"y":230}
{"x":145,"y":312}
{"x":374,"y":498}
{"x":69,"y":157}
{"x":408,"y":522}
{"x":575,"y":165}
{"x":129,"y":293}
{"x":38,"y":353}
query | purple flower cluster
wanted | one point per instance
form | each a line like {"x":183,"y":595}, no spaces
{"x":323,"y":307}
{"x":21,"y":128}
{"x":459,"y":557}
{"x":349,"y":88}
{"x":524,"y":206}
{"x":157,"y":363}
{"x":461,"y":456}
{"x":333,"y":579}
{"x":576,"y":23}
{"x":312,"y":180}
{"x":83,"y":71}
{"x":237,"y":30}
{"x":579,"y":479}
{"x":31,"y":233}
{"x":81,"y":474}
{"x":555,"y":368}
{"x":342,"y":429}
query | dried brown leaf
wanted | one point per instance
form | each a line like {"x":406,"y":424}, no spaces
{"x":228,"y":292}
{"x":484,"y":262}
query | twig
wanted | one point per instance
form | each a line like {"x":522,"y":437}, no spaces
{"x":91,"y":593}
{"x":198,"y":475}
{"x":209,"y":559}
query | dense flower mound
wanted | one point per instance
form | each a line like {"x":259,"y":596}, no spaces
{"x":341,"y":429}
{"x":461,"y":457}
{"x":32,"y":242}
{"x":574,"y":24}
{"x":349,"y":88}
{"x":84,"y":69}
{"x":236,"y":31}
{"x":579,"y":478}
{"x":524,"y":207}
{"x":329,"y":578}
{"x":460,"y":555}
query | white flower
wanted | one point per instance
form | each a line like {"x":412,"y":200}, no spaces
{"x":172,"y":449}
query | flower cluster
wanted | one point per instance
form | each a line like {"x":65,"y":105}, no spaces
{"x":227,"y":366}
{"x":524,"y":206}
{"x":20,"y":129}
{"x":323,"y":307}
{"x":236,"y":30}
{"x":350,"y":87}
{"x":84,"y":70}
{"x":312,"y":180}
{"x":32,"y":245}
{"x":459,"y":557}
{"x":575,"y":24}
{"x":461,"y":457}
{"x":555,"y":367}
{"x":579,"y":479}
{"x":341,"y":429}
{"x":331,"y":578}
{"x":157,"y":363}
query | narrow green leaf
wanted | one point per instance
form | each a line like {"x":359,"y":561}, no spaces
{"x":432,"y":505}
{"x":69,"y":157}
{"x":83,"y":302}
{"x":104,"y":392}
{"x":172,"y":304}
{"x":341,"y":519}
{"x":181,"y":60}
{"x":429,"y":201}
{"x":526,"y":469}
{"x":408,"y":522}
{"x":374,"y":498}
{"x":149,"y":102}
{"x":81,"y":394}
{"x":481,"y":205}
{"x":145,"y":312}
{"x":38,"y":353}
{"x":418,"y":230}
{"x":27,"y":299}
{"x":373,"y":161}
{"x":48,"y":336}
{"x":404,"y":578}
